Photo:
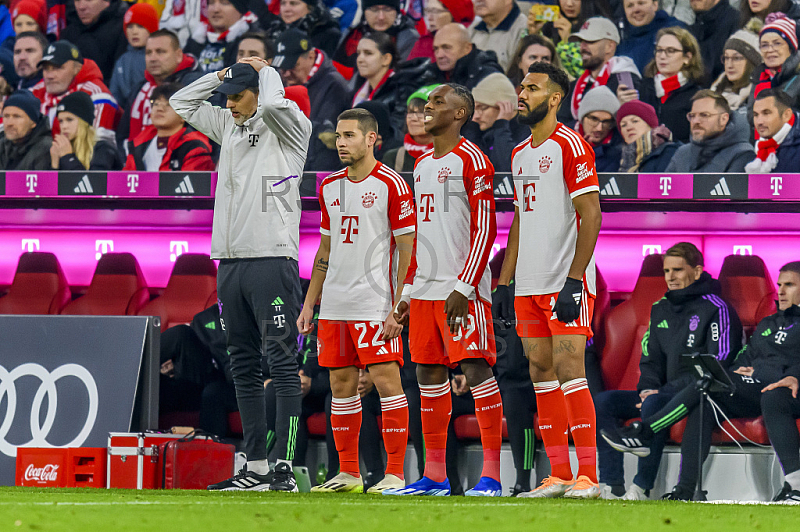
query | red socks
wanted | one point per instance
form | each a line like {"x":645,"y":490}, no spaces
{"x":436,"y":406}
{"x":554,"y":427}
{"x":394,"y":412}
{"x":489,"y":411}
{"x":346,"y":426}
{"x":582,"y":425}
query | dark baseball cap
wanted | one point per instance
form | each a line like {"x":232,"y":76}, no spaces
{"x":290,"y":46}
{"x":60,"y":52}
{"x":237,"y":78}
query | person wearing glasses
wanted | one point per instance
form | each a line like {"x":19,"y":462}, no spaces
{"x":379,"y":16}
{"x":672,"y":78}
{"x":720,"y":138}
{"x":740,"y":57}
{"x":781,"y":67}
{"x":597,"y":126}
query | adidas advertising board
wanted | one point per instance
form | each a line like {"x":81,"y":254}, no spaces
{"x":82,"y":183}
{"x":618,"y":186}
{"x":184,"y":184}
{"x":720,"y":186}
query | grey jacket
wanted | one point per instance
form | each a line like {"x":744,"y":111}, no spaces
{"x":31,"y":153}
{"x":728,"y":152}
{"x":257,"y":201}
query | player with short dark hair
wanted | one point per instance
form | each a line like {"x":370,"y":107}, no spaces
{"x":447,"y":296}
{"x":550,"y":260}
{"x":366,"y":208}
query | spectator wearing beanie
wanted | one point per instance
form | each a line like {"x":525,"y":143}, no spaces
{"x":740,"y":57}
{"x":25,"y":141}
{"x":672,"y":78}
{"x":416,"y":141}
{"x":29,"y":15}
{"x":437,"y":14}
{"x":597,"y":126}
{"x":493,"y":127}
{"x":216,"y":48}
{"x":96,"y":29}
{"x":310,"y":16}
{"x":77,"y":147}
{"x":781,"y":66}
{"x":379,"y":15}
{"x":140,"y":21}
{"x":648,"y":145}
{"x":715,"y":21}
{"x":498,"y":27}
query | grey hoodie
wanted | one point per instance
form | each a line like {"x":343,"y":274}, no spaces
{"x":728,"y":152}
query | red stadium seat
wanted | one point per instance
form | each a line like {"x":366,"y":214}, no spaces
{"x":752,"y":428}
{"x":317,"y":423}
{"x":39,"y":286}
{"x":602,"y":306}
{"x":626,"y":325}
{"x":190,"y":289}
{"x":118,"y":288}
{"x":467,"y":428}
{"x":748,"y":287}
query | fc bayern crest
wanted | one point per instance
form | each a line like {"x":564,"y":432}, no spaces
{"x":368,"y":200}
{"x":544,"y":164}
{"x":694,"y":321}
{"x":443,"y":174}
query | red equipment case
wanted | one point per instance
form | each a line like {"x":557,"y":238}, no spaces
{"x":133,"y":459}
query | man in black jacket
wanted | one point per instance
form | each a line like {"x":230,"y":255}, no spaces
{"x":301,"y":64}
{"x":714,"y":22}
{"x":458,"y":60}
{"x":26,"y":140}
{"x":96,"y":29}
{"x":690,"y":318}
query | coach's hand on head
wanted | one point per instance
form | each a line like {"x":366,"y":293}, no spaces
{"x":456,"y":308}
{"x":568,"y":304}
{"x":255,"y":62}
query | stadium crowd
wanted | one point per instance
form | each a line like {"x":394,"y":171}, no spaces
{"x":714,"y":83}
{"x":703,"y":87}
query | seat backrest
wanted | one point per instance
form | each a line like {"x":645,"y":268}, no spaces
{"x":748,"y":287}
{"x":602,"y":304}
{"x":193,"y":281}
{"x":626,"y":325}
{"x":118,"y":288}
{"x":39,"y":286}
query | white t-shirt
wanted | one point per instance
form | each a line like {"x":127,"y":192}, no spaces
{"x":362,"y":219}
{"x":153,"y":156}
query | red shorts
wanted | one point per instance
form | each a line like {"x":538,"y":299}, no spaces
{"x":355,"y":343}
{"x":431,"y":342}
{"x":535,"y":317}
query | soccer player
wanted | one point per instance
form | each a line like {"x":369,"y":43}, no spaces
{"x":447,"y":297}
{"x":366,"y":208}
{"x":550,"y":256}
{"x":256,"y":235}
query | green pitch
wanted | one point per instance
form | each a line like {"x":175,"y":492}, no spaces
{"x":87,"y":510}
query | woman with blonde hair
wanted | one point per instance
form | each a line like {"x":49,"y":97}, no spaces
{"x":76,"y":147}
{"x":672,"y":78}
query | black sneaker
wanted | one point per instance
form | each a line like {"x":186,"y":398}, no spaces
{"x":679,"y":493}
{"x":787,"y":494}
{"x":283,"y":478}
{"x":517,"y":489}
{"x":244,"y":480}
{"x":631,"y":439}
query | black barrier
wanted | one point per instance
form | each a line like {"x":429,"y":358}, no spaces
{"x":70,"y":380}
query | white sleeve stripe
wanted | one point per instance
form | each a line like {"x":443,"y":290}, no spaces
{"x":403,"y":230}
{"x":571,"y":141}
{"x":523,"y":142}
{"x":584,"y":190}
{"x":401,"y":186}
{"x":576,"y":139}
{"x":465,"y":150}
{"x":473,"y":260}
{"x":481,"y":158}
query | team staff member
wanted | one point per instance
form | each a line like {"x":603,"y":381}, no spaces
{"x":364,"y":208}
{"x":449,"y":292}
{"x":554,"y":232}
{"x":256,"y":230}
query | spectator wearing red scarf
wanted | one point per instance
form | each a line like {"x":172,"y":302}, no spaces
{"x":781,"y":66}
{"x":778,"y":146}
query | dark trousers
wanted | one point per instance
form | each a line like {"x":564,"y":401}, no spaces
{"x":745,"y":402}
{"x":615,"y":406}
{"x":260,"y":301}
{"x":311,"y":405}
{"x":780,"y":410}
{"x":219,"y":400}
{"x":519,"y":405}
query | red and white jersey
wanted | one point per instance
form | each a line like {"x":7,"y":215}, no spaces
{"x":546,"y":178}
{"x":362,"y":219}
{"x":456,"y":226}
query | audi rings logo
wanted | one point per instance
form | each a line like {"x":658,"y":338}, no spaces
{"x":47,"y":388}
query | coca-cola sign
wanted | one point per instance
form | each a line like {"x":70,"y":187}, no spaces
{"x":48,"y":473}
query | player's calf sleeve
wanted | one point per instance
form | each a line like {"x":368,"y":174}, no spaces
{"x":394,"y":414}
{"x":554,"y":427}
{"x":436,"y":405}
{"x":346,"y":426}
{"x":582,"y":425}
{"x":489,"y":411}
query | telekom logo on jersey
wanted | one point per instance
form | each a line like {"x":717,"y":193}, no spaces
{"x":529,"y":196}
{"x":427,"y":206}
{"x":349,"y":228}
